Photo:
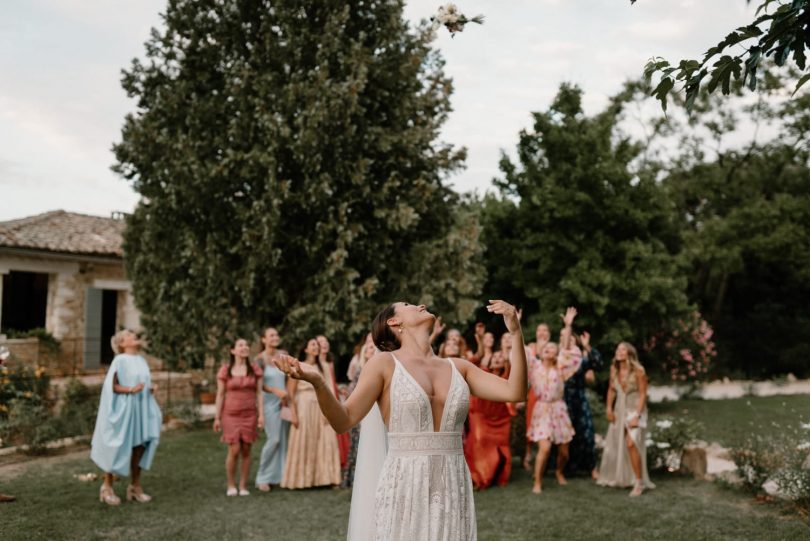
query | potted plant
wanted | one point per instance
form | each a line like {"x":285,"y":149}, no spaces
{"x":205,"y":393}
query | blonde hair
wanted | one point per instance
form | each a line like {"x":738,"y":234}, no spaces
{"x":632,"y":357}
{"x":115,"y":341}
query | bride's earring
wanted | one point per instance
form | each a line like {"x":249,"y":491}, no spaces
{"x":400,"y":329}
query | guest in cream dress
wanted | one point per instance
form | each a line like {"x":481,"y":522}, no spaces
{"x":313,"y":458}
{"x":624,"y":460}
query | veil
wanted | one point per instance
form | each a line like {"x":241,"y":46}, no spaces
{"x":371,"y":451}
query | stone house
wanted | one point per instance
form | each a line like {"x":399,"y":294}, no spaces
{"x":64,"y":272}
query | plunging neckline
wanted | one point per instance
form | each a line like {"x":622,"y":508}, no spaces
{"x":424,"y":394}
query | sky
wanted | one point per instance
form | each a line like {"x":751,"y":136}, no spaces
{"x":62,"y":105}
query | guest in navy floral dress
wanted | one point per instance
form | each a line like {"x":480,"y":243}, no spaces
{"x":582,"y":448}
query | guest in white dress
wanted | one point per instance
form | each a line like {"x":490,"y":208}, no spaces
{"x":415,"y":459}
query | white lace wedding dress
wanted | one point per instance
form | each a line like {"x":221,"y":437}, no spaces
{"x":424,"y":490}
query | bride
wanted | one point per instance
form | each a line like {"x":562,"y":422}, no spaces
{"x":411,"y":480}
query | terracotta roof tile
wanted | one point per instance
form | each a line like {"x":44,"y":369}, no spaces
{"x":65,"y":232}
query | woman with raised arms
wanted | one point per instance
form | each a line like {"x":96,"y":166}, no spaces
{"x":420,"y":480}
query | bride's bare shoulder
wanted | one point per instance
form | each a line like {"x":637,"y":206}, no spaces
{"x":381,"y":362}
{"x":461,"y":364}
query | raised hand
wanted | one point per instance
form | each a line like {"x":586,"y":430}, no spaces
{"x":298,"y":370}
{"x":585,"y":337}
{"x":438,"y":327}
{"x":570,"y":314}
{"x":508,"y":312}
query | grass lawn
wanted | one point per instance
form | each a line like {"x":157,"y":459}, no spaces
{"x":731,"y":422}
{"x":188,"y":484}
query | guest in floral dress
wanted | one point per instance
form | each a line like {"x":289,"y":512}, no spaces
{"x":550,"y":422}
{"x":542,"y":336}
{"x":239,"y":412}
{"x":582,"y":448}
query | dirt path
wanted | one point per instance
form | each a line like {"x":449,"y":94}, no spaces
{"x":15,"y":469}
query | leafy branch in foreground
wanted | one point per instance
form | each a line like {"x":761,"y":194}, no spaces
{"x":781,"y":30}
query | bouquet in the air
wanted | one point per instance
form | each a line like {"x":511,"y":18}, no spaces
{"x":449,"y":17}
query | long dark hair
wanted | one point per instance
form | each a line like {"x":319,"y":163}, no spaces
{"x":302,"y":353}
{"x":383,"y":336}
{"x":250,"y":372}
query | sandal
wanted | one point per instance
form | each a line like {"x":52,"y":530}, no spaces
{"x":107,"y":495}
{"x":137,"y":494}
{"x":232,"y":492}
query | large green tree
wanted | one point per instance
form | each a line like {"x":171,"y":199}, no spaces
{"x":740,"y":184}
{"x":576,"y":222}
{"x":287,"y":159}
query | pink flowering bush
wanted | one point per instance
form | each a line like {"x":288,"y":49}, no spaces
{"x":686,"y":352}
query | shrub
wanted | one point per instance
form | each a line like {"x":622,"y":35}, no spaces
{"x":686,"y":352}
{"x":29,"y":422}
{"x":776,"y":462}
{"x":45,"y":338}
{"x":187,"y":413}
{"x":666,"y":439}
{"x":79,"y":409}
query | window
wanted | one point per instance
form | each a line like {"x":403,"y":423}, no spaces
{"x":25,"y":301}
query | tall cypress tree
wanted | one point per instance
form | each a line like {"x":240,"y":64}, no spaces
{"x":287,"y":158}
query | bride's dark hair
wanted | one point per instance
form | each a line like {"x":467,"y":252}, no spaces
{"x":383,"y":336}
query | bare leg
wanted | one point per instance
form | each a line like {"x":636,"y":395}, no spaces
{"x":544,"y":450}
{"x":245,"y":466}
{"x":135,"y":465}
{"x":635,"y":463}
{"x":562,"y":460}
{"x":527,"y":456}
{"x":230,"y":464}
{"x":108,"y":480}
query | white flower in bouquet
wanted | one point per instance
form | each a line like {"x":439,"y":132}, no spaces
{"x":450,"y":17}
{"x":805,"y":426}
{"x":662,"y":445}
{"x":664,"y":424}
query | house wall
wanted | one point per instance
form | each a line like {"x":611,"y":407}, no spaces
{"x":65,"y":314}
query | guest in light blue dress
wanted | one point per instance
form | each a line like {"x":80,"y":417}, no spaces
{"x":274,"y":452}
{"x":128,"y":423}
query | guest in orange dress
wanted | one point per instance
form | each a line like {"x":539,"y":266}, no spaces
{"x":327,"y":360}
{"x":239,"y":412}
{"x":486,"y":448}
{"x":542,"y":334}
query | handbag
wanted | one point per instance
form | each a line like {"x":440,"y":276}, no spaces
{"x":286,"y":414}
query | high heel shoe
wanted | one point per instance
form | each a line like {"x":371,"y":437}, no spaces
{"x":137,"y":494}
{"x":107,"y":495}
{"x":638,"y":489}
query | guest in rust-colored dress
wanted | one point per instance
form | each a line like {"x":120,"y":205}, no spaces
{"x":327,"y":361}
{"x":313,"y":458}
{"x":239,"y":412}
{"x":486,"y":448}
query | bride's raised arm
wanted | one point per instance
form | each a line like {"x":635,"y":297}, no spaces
{"x":342,"y":416}
{"x":491,"y":387}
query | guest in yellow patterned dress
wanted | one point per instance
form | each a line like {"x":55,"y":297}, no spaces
{"x":313,"y":458}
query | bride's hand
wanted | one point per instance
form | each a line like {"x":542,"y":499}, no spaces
{"x":510,"y":317}
{"x":298,"y":370}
